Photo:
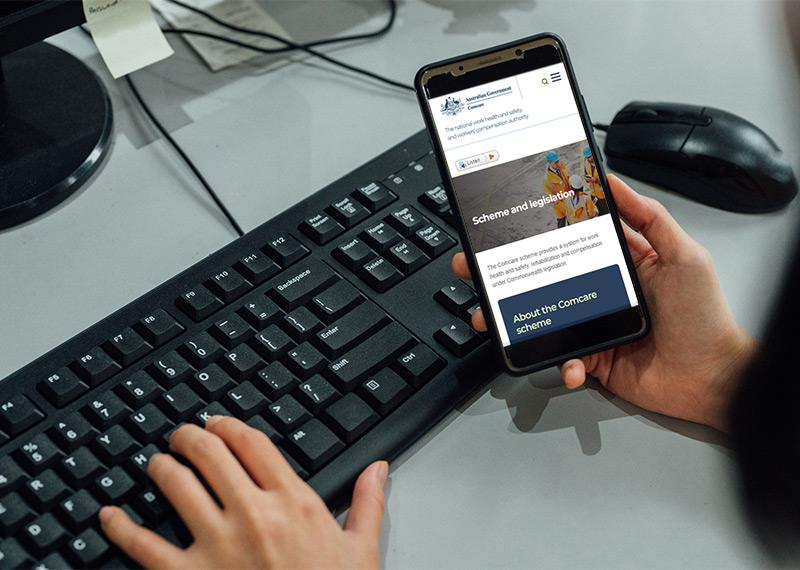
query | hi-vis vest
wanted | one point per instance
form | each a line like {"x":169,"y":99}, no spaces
{"x":593,"y":179}
{"x":580,"y":207}
{"x":555,"y":182}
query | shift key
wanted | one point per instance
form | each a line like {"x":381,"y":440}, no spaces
{"x":295,"y":287}
{"x":349,"y":370}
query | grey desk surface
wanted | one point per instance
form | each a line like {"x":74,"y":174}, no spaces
{"x":525,"y":474}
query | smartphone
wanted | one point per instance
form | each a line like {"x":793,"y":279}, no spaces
{"x":540,"y":230}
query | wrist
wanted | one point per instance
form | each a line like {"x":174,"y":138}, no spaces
{"x":734,"y":360}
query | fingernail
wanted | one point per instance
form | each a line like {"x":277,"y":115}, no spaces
{"x":381,"y":471}
{"x":213,"y":420}
{"x":105,"y":514}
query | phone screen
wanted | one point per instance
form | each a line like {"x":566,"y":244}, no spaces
{"x":535,"y":210}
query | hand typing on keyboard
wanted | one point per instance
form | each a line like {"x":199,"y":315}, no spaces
{"x":687,"y":367}
{"x":266,"y":515}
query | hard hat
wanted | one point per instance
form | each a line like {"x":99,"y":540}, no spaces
{"x":587,"y":152}
{"x":576,"y":181}
{"x":552,"y":156}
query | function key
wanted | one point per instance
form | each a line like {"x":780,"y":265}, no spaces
{"x":458,"y":337}
{"x":407,"y":257}
{"x":232,"y":330}
{"x":380,"y":236}
{"x":314,"y":444}
{"x":285,"y":249}
{"x":406,"y":220}
{"x":127,"y":346}
{"x":227,"y":284}
{"x":18,"y":413}
{"x":385,"y":391}
{"x":418,"y":365}
{"x":158,"y":327}
{"x":260,"y":312}
{"x":257,"y":267}
{"x":96,"y":366}
{"x":62,"y":387}
{"x":350,"y":417}
{"x":298,"y":286}
{"x":435,"y":200}
{"x":321,"y":228}
{"x":433,"y":240}
{"x":198,"y":302}
{"x":336,"y":300}
{"x":374,"y":196}
{"x":380,"y":274}
{"x":353,"y":254}
{"x":348,"y":212}
{"x":457,"y":297}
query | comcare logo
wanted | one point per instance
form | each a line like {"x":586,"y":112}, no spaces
{"x":452,"y":106}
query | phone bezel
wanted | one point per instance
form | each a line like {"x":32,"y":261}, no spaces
{"x":461,"y":66}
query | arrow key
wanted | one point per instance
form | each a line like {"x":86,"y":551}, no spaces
{"x":458,"y":337}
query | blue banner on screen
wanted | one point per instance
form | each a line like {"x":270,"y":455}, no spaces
{"x":563,"y":304}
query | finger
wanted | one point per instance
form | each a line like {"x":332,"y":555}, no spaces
{"x":367,"y":506}
{"x":460,"y":267}
{"x":639,"y":247}
{"x":254,"y":450}
{"x":648,"y":217}
{"x":143,"y":545}
{"x":184,"y":491}
{"x":479,"y":321}
{"x":573,"y":373}
{"x":214,"y":460}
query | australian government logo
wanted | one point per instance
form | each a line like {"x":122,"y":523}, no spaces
{"x":452,"y":106}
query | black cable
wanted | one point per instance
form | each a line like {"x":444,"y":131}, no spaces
{"x":600,"y":126}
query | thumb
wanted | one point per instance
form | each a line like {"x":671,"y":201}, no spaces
{"x":366,"y":508}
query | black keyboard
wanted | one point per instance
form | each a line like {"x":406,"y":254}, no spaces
{"x":336,"y":328}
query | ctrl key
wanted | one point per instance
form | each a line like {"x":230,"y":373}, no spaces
{"x":418,"y":365}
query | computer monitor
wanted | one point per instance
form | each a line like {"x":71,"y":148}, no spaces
{"x":55,"y":114}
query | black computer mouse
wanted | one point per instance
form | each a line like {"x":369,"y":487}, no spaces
{"x":706,"y":154}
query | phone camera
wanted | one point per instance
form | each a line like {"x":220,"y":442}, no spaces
{"x":461,"y":68}
{"x":518,"y":52}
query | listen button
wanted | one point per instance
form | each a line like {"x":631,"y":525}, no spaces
{"x":477,"y":160}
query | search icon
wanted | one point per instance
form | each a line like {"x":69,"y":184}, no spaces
{"x":545,"y":81}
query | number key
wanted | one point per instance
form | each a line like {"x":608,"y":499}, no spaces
{"x":202,"y":349}
{"x":171,"y":369}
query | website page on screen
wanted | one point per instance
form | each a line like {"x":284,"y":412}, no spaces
{"x":534,"y":210}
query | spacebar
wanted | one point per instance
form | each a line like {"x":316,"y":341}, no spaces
{"x":366,"y":358}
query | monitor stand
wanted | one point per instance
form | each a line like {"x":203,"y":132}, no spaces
{"x":55,"y":129}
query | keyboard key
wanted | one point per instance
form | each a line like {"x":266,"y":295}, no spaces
{"x":171,"y":369}
{"x":262,"y":425}
{"x":158,"y":327}
{"x":199,"y":303}
{"x":301,"y":323}
{"x":316,"y":393}
{"x":275,"y":380}
{"x":353,"y":254}
{"x":245,"y":400}
{"x":457,"y":297}
{"x":79,"y":510}
{"x":127,"y":346}
{"x":260,"y":312}
{"x":139,"y":389}
{"x":114,"y":445}
{"x":435,"y":200}
{"x":72,"y":431}
{"x":314,"y":444}
{"x":380,"y":236}
{"x":11,"y":475}
{"x":374,"y":196}
{"x":153,"y":506}
{"x":148,"y":424}
{"x":298,"y":286}
{"x":347,"y":211}
{"x":139,"y":460}
{"x":114,"y":487}
{"x":62,"y":387}
{"x":38,"y":453}
{"x":80,"y":467}
{"x":351,"y":329}
{"x":227,"y":285}
{"x":304,"y":360}
{"x":272,"y":343}
{"x":380,"y":274}
{"x":180,"y":403}
{"x":321,"y":228}
{"x":458,"y":337}
{"x":44,"y":535}
{"x":131,"y":512}
{"x":88,"y":548}
{"x":385,"y":390}
{"x":105,"y":409}
{"x":433,"y":240}
{"x":202,"y":349}
{"x":285,"y":249}
{"x":213,"y":409}
{"x":14,"y":512}
{"x":45,"y":490}
{"x":299,"y":469}
{"x":52,"y":561}
{"x":13,"y":556}
{"x":419,"y":365}
{"x":212,"y":382}
{"x":286,"y":413}
{"x":335,"y":301}
{"x":96,"y":366}
{"x":232,"y":330}
{"x":354,"y":366}
{"x":406,"y":220}
{"x":407,"y":257}
{"x":242,"y":362}
{"x":256,"y":267}
{"x":17,"y":414}
{"x":350,"y":417}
